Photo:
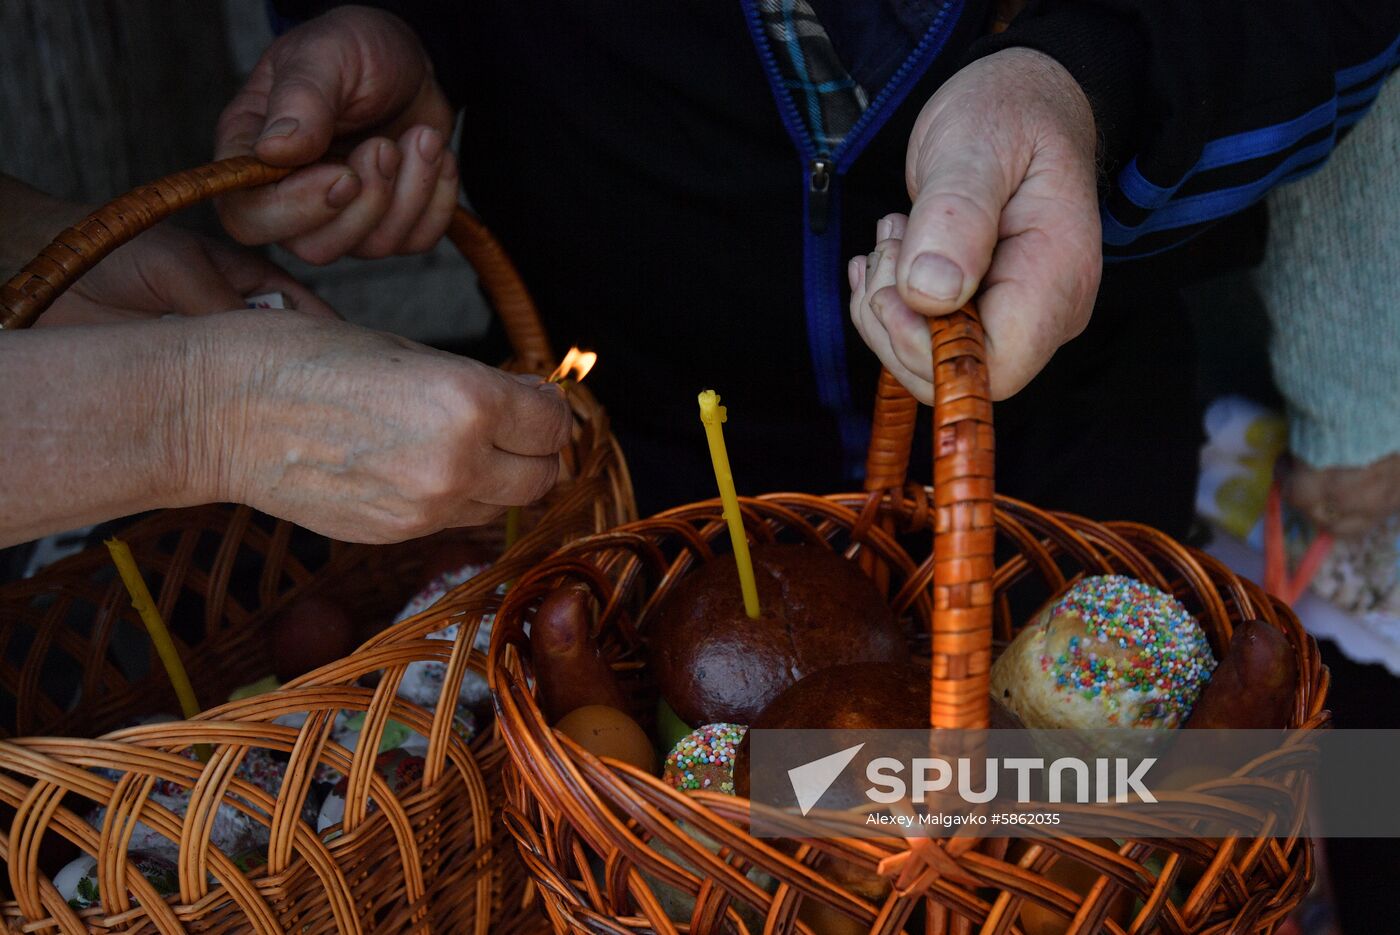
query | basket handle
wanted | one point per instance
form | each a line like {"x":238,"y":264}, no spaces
{"x":964,"y":533}
{"x":79,"y":248}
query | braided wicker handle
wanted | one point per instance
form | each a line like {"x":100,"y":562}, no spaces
{"x":79,"y":248}
{"x":964,"y":535}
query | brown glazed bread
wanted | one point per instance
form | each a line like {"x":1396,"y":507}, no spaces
{"x":862,"y":696}
{"x":714,"y":664}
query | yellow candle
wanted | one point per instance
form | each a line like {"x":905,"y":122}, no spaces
{"x":713,"y":415}
{"x":513,"y":516}
{"x":165,"y":647}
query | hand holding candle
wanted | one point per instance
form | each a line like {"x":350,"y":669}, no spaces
{"x":572,"y":369}
{"x":713,"y":415}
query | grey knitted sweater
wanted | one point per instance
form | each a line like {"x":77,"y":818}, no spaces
{"x":1331,"y":282}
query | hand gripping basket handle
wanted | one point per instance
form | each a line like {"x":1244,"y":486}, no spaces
{"x":964,"y":534}
{"x":76,"y":250}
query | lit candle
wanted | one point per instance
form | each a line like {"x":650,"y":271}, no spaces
{"x":713,"y":415}
{"x":572,"y":369}
{"x":165,"y":647}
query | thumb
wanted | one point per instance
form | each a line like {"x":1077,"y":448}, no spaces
{"x":303,"y":105}
{"x":959,"y":195}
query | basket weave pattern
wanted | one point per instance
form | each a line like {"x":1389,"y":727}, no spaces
{"x":417,"y":858}
{"x":618,"y":851}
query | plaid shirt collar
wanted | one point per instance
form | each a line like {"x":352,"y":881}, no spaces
{"x":830,"y":100}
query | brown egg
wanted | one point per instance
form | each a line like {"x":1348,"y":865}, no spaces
{"x":311,"y":633}
{"x":607,"y":732}
{"x":714,"y":664}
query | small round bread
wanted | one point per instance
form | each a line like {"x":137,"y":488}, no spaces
{"x":1111,"y":652}
{"x":713,"y":664}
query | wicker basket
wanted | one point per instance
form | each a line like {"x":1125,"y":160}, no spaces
{"x":612,"y":848}
{"x":414,"y":858}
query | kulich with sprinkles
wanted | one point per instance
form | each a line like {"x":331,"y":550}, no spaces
{"x":1111,"y":652}
{"x":704,"y":759}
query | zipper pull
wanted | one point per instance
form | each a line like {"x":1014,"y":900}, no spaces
{"x":818,"y":194}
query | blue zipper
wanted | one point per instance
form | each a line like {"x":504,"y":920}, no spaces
{"x":821,"y":206}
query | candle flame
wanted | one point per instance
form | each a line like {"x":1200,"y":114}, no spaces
{"x":575,"y":365}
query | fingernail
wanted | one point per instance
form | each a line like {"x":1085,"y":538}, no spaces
{"x":284,"y":126}
{"x":343,"y":191}
{"x":936,"y":276}
{"x":387,"y":159}
{"x":882,"y":230}
{"x":430,"y":145}
{"x":529,"y":379}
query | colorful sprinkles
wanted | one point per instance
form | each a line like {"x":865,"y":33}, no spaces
{"x":1136,"y":638}
{"x":704,"y":759}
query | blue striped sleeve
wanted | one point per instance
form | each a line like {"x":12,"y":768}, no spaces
{"x":1141,"y":216}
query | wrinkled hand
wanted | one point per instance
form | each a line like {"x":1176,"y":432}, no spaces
{"x":1001,"y":170}
{"x":357,"y":82}
{"x":1346,"y":501}
{"x":169,"y":270}
{"x":365,"y":436}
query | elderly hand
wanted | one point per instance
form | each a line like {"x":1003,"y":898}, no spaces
{"x":358,"y":77}
{"x":365,"y":436}
{"x":357,"y":435}
{"x":1001,"y":171}
{"x":1346,"y":501}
